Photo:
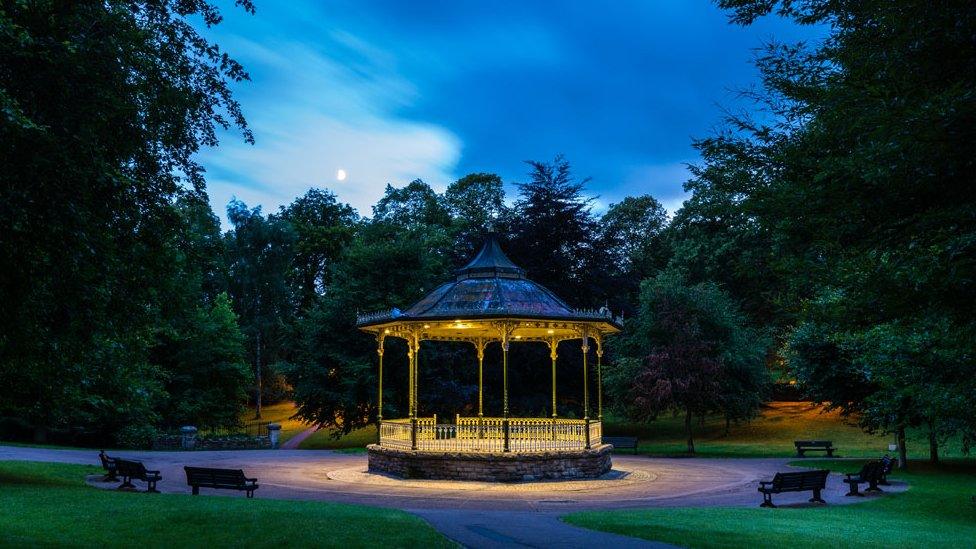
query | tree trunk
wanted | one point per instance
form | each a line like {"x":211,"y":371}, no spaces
{"x":40,"y":434}
{"x":691,"y":441}
{"x":933,"y":445}
{"x":902,"y":452}
{"x":257,"y":377}
{"x":728,"y":425}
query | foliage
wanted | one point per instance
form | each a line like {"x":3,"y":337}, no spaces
{"x":104,"y":106}
{"x":206,"y":371}
{"x":323,"y":227}
{"x":855,"y":180}
{"x":632,"y":232}
{"x":260,"y":254}
{"x":688,"y":351}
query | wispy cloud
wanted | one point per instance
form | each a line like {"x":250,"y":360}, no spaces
{"x":326,"y":115}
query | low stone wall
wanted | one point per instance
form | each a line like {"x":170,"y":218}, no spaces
{"x":231,"y":442}
{"x":494,"y":467}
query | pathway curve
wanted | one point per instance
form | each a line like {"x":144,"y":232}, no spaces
{"x":480,"y":514}
{"x":293,"y":442}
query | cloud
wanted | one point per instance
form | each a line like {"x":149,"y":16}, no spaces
{"x":312,"y":115}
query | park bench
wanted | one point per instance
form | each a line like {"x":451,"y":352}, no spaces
{"x":129,"y":470}
{"x":887,"y":464}
{"x":230,"y":479}
{"x":108,"y":463}
{"x":803,"y":446}
{"x":794,"y":482}
{"x":620,"y":443}
{"x":870,"y":474}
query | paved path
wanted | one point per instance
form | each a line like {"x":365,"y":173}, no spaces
{"x":480,"y":514}
{"x":293,"y":442}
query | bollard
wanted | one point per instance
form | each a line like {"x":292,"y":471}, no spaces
{"x":188,"y":437}
{"x":274,"y":434}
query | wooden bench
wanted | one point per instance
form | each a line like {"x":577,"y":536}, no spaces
{"x":108,"y":463}
{"x":130,"y":470}
{"x":620,"y":443}
{"x":870,"y":474}
{"x":803,"y":446}
{"x":887,"y":464}
{"x":229,"y":479}
{"x":794,"y":482}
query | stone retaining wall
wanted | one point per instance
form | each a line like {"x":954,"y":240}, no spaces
{"x":231,"y":442}
{"x":497,"y":467}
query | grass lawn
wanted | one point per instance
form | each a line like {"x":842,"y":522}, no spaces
{"x":770,"y":435}
{"x":48,"y":504}
{"x":935,"y":512}
{"x":276,"y":413}
{"x":354,"y":441}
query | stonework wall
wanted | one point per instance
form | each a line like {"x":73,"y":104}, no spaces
{"x":500,"y":467}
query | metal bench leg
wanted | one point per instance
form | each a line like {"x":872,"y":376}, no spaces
{"x":126,"y":484}
{"x":855,"y":489}
{"x":250,"y":493}
{"x":816,"y":497}
{"x":151,"y":488}
{"x":767,"y":501}
{"x":873,"y":487}
{"x":196,"y":490}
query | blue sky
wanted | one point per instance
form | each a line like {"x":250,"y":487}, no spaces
{"x":390,"y":91}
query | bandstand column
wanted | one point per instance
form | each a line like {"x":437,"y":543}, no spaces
{"x":480,"y":345}
{"x":412,"y":359}
{"x":553,"y":344}
{"x":586,"y":392}
{"x":379,"y":397}
{"x":505,"y":334}
{"x":599,"y":378}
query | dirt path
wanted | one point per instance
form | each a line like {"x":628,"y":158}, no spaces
{"x":293,"y":442}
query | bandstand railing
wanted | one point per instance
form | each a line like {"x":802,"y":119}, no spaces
{"x":488,"y":434}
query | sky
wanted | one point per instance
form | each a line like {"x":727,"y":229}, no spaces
{"x":391,"y":91}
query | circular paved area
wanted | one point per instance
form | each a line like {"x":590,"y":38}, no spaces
{"x":479,"y":513}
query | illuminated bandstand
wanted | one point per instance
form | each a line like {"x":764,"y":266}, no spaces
{"x":491,"y":301}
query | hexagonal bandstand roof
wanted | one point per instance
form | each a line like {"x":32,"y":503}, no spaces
{"x":489,"y":289}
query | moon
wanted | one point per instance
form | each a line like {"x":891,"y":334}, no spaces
{"x":341,"y":175}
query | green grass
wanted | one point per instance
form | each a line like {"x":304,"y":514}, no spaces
{"x":48,"y":504}
{"x":770,"y":435}
{"x":280,"y":413}
{"x":937,"y":511}
{"x":355,"y":441}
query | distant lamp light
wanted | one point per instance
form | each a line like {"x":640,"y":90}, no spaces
{"x":426,"y":326}
{"x":550,"y":331}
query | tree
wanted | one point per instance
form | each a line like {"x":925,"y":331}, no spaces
{"x":323,"y":228}
{"x":476,"y":203}
{"x":689,"y":351}
{"x":861,"y":178}
{"x":260,"y":252}
{"x":632,"y":232}
{"x":334,"y":378}
{"x":103,"y":107}
{"x":412,"y":206}
{"x":207,"y":376}
{"x":553,"y":234}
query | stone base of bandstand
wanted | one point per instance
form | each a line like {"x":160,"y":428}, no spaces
{"x":491,"y":467}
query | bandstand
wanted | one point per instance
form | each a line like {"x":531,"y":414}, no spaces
{"x":490,"y":301}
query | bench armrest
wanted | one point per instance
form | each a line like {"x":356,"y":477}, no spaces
{"x":250,"y":479}
{"x":148,"y":472}
{"x":764,"y":482}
